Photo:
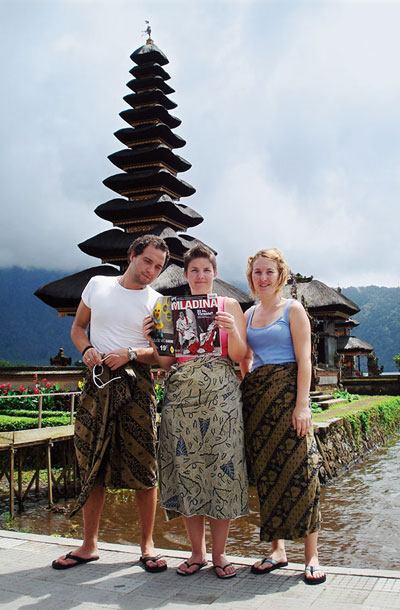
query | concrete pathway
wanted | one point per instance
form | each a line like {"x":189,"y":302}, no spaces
{"x":117,"y":580}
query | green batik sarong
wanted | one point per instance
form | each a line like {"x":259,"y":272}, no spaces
{"x":201,"y":460}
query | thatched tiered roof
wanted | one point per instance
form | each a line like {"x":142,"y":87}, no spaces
{"x":322,"y":300}
{"x":353,"y":346}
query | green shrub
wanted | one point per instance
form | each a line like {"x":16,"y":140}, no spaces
{"x":30,"y":403}
{"x":387,"y":412}
{"x":9,"y":424}
{"x":345,"y":394}
{"x":28,"y":413}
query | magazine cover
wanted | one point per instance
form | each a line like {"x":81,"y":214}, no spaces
{"x":163,"y":333}
{"x":196,"y":331}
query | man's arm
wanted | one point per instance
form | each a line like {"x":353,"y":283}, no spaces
{"x":115,"y":358}
{"x":119,"y":357}
{"x":164,"y":362}
{"x":79,"y":335}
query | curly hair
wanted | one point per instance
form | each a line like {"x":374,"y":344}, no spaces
{"x":140,"y":243}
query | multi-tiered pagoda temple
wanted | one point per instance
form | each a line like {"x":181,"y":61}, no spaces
{"x":148,"y":187}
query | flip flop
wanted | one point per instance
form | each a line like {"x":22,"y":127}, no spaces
{"x":314,"y":581}
{"x":275,"y":565}
{"x":223,"y":569}
{"x":189,"y":565}
{"x":145,"y":560}
{"x":79,"y":561}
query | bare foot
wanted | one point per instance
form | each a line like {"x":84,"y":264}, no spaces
{"x":222,"y":567}
{"x":278,"y":556}
{"x":82,"y":552}
{"x":148,"y":550}
{"x":192,"y":565}
{"x":311,"y":575}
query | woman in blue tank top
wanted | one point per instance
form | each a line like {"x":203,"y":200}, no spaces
{"x":282,"y":452}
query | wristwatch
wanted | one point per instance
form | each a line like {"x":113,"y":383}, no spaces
{"x":132,"y":353}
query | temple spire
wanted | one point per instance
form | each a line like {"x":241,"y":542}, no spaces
{"x":148,"y":32}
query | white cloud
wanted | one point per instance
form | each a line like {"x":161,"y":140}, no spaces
{"x":290,"y":112}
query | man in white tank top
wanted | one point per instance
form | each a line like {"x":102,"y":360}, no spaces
{"x":115,"y":427}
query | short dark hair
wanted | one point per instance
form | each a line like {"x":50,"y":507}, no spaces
{"x":199,"y":251}
{"x":141,"y":243}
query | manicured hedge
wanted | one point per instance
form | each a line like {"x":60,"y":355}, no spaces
{"x":9,"y":424}
{"x":28,"y":413}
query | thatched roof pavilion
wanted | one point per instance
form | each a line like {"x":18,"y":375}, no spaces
{"x":321,"y":300}
{"x":353,"y":346}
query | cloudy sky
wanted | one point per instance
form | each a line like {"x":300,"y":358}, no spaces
{"x":290,"y":110}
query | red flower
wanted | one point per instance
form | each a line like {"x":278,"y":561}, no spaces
{"x":44,"y":380}
{"x":21,"y":388}
{"x":36,"y":390}
{"x":48,"y":385}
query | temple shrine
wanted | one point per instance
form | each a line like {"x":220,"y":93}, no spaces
{"x":334,"y":351}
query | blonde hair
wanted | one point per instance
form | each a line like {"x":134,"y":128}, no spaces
{"x":272,"y":254}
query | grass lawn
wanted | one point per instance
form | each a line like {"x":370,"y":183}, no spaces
{"x":364,"y":403}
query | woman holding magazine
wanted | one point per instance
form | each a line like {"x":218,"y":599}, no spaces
{"x":202,"y":470}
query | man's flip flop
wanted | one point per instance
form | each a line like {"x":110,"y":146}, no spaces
{"x":314,"y":581}
{"x":275,"y":565}
{"x":189,"y":565}
{"x":223,"y":568}
{"x":79,"y":561}
{"x":145,"y":560}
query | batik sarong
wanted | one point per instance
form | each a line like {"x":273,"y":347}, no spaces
{"x":285,"y":466}
{"x":115,"y":432}
{"x":201,"y":459}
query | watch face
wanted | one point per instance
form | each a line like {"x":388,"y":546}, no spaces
{"x":132,"y":354}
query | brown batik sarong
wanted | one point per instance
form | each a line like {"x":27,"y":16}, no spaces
{"x":201,"y":458}
{"x":285,"y":466}
{"x":115,"y":432}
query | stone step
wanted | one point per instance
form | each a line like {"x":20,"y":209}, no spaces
{"x":326,"y":404}
{"x":322,"y":398}
{"x":315,"y":393}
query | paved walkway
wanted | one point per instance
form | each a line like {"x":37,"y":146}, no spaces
{"x":117,"y":580}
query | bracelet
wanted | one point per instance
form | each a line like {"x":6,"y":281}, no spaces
{"x":86,"y":349}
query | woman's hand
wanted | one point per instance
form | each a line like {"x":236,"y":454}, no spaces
{"x":226,"y":322}
{"x":147,"y":327}
{"x":302,"y":420}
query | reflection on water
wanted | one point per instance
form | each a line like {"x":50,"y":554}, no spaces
{"x":361,"y":519}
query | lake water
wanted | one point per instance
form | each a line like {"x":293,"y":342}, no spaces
{"x":361,"y":519}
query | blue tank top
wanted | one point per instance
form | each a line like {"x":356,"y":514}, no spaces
{"x":271,"y":344}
